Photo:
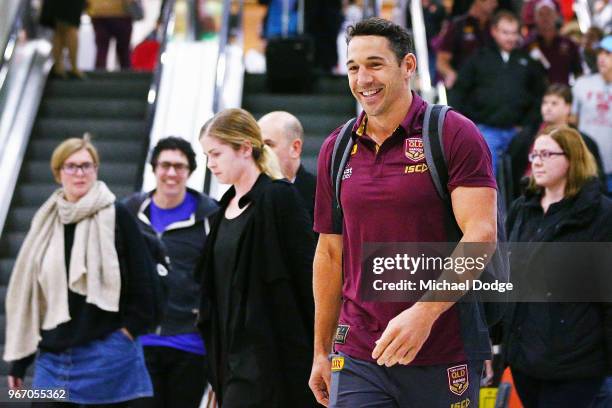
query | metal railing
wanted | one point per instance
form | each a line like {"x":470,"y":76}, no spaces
{"x":8,"y":47}
{"x":226,"y":34}
{"x":164,"y":31}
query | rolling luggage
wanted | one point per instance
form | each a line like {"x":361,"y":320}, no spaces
{"x":290,"y":59}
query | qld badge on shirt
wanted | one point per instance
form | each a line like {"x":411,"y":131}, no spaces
{"x":413,"y":149}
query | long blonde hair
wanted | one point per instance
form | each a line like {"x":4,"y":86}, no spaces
{"x":237,"y":126}
{"x":582,"y":164}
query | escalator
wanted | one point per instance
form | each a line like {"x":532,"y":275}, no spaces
{"x":329,"y":105}
{"x":116,"y":108}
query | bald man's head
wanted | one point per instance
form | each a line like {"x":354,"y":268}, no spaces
{"x":283,"y":132}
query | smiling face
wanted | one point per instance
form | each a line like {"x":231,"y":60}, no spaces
{"x":77,"y":175}
{"x":171,"y":173}
{"x":225,"y":162}
{"x":552,"y":171}
{"x":376,"y":79}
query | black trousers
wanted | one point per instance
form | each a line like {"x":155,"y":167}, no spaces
{"x":536,"y":393}
{"x":178,"y":377}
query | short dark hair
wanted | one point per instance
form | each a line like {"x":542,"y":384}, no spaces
{"x":561,"y":90}
{"x":174,"y":143}
{"x":504,"y":15}
{"x":400,"y":40}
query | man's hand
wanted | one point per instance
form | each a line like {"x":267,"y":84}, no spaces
{"x":487,"y":380}
{"x":320,"y":379}
{"x":405,"y":335}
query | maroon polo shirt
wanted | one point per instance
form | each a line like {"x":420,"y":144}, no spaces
{"x":387,"y":195}
{"x":462,"y":37}
{"x":562,"y":54}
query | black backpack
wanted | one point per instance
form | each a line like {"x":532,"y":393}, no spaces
{"x":498,"y":268}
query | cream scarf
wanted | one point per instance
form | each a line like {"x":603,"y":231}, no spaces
{"x":37,"y":294}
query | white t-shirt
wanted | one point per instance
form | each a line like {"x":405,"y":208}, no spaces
{"x":593,"y":105}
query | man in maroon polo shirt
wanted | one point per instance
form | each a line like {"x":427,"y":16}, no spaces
{"x":395,"y":354}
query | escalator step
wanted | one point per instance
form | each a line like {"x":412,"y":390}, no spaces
{"x":111,"y":173}
{"x":109,"y":151}
{"x":90,"y":108}
{"x":100,"y":88}
{"x":101,"y":129}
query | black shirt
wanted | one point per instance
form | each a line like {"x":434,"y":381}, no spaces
{"x":226,"y":250}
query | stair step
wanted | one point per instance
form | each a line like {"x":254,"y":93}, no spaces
{"x":35,"y":193}
{"x":260,"y":104}
{"x":321,"y":125}
{"x":10,"y":243}
{"x":101,"y":129}
{"x":113,"y":75}
{"x":6,"y":267}
{"x":111,"y":173}
{"x":101,"y":88}
{"x":312,"y":145}
{"x":256,"y":83}
{"x":109,"y":151}
{"x":90,"y":108}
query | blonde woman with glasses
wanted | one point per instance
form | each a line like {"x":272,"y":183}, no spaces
{"x":81,"y":291}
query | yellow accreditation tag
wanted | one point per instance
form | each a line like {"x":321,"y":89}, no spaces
{"x":337,"y":363}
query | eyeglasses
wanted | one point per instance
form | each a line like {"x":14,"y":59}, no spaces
{"x":73,"y":168}
{"x":179,"y":168}
{"x":543,"y":154}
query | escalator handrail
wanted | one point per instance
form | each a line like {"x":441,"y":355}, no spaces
{"x":8,"y":48}
{"x":224,"y":34}
{"x":420,"y":44}
{"x":221,"y":66}
{"x":164,"y":30}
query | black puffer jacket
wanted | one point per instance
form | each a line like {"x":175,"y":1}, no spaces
{"x":557,"y":341}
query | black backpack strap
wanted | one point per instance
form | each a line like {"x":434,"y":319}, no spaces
{"x":433,"y":123}
{"x":340,"y":155}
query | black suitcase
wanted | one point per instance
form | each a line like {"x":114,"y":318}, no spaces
{"x":290,"y":60}
{"x":290,"y":64}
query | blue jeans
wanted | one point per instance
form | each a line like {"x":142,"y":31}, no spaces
{"x":609,"y":180}
{"x":103,"y":371}
{"x":498,"y":140}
